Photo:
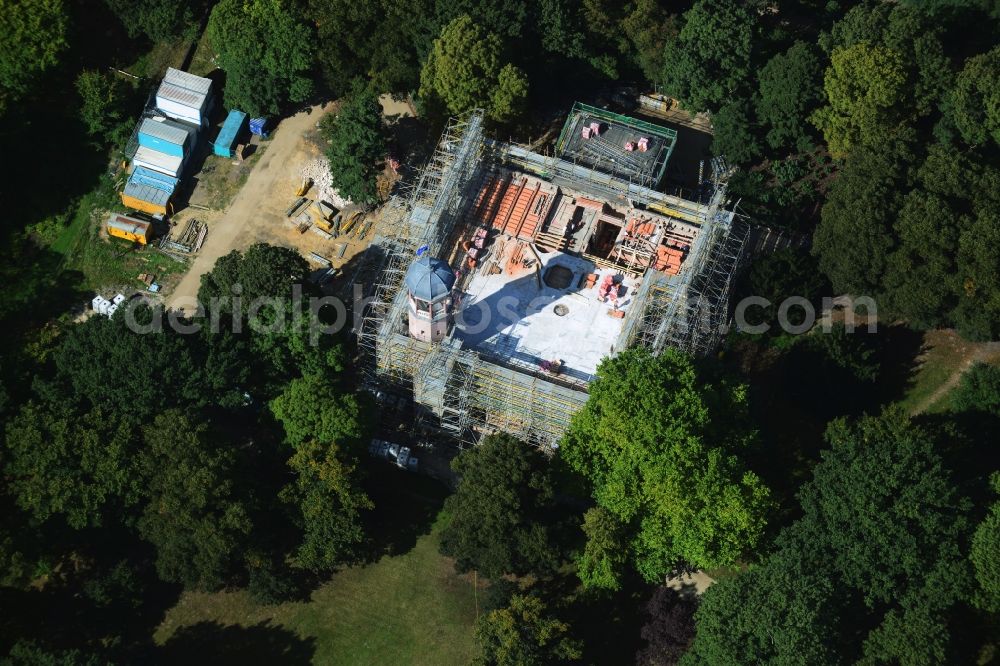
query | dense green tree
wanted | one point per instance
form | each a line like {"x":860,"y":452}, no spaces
{"x":848,"y":352}
{"x":866,"y":87}
{"x":525,"y":632}
{"x":102,"y":106}
{"x":157,"y":19}
{"x":649,"y":28}
{"x":312,"y":407}
{"x":603,"y":561}
{"x":497,"y":518}
{"x":888,"y":69}
{"x":978,"y":390}
{"x":921,"y":273}
{"x":506,"y":20}
{"x":977,"y":315}
{"x":659,"y":444}
{"x":33,"y":34}
{"x":267,"y":52}
{"x":734,"y":134}
{"x":974,"y":102}
{"x":781,"y":612}
{"x":262,"y":271}
{"x":464,"y":70}
{"x":858,"y":214}
{"x":920,"y":518}
{"x":193,"y":516}
{"x":79,"y":466}
{"x":509,"y":98}
{"x":561,"y":28}
{"x":352,"y":42}
{"x":709,"y":61}
{"x":870,"y":571}
{"x":790,"y":89}
{"x":32,"y":653}
{"x":329,"y":503}
{"x":985,"y":555}
{"x":356,"y":146}
{"x":108,"y":364}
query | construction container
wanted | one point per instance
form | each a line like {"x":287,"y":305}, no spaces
{"x":166,"y":136}
{"x":149,"y":191}
{"x":184,"y":96}
{"x":129,"y":228}
{"x":257,"y":126}
{"x":168,"y":165}
{"x":100,"y":304}
{"x":223,"y":145}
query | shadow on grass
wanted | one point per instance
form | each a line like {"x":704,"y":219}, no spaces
{"x":406,"y":506}
{"x":213,"y":643}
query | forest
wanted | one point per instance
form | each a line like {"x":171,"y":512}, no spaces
{"x":839,"y":523}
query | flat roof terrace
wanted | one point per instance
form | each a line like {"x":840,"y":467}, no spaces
{"x":526,"y":310}
{"x":609,"y":149}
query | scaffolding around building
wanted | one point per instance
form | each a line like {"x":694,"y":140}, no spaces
{"x":466,"y":392}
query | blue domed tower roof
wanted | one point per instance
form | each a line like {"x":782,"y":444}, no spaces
{"x":429,"y":278}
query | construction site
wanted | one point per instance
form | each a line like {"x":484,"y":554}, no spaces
{"x":502,"y":277}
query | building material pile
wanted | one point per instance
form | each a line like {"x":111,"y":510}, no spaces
{"x":319,"y":171}
{"x":187,"y":241}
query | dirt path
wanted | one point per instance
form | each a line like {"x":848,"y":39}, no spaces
{"x":983,"y":353}
{"x":260,"y":203}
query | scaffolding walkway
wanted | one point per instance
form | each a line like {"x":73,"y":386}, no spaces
{"x":464,"y":393}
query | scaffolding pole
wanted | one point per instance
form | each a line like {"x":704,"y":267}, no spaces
{"x":466,"y":393}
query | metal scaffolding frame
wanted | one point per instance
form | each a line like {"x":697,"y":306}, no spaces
{"x":610,"y":158}
{"x":465,"y":393}
{"x":690,"y":311}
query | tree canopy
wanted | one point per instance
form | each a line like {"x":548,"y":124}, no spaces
{"x":32,"y":38}
{"x":193,"y":516}
{"x":496,"y":520}
{"x":525,"y":632}
{"x":465,"y":70}
{"x":157,"y":19}
{"x":790,"y":88}
{"x":709,"y":60}
{"x":869,"y":572}
{"x":356,"y":145}
{"x":975,"y":99}
{"x":262,"y":271}
{"x":660,"y":446}
{"x":266,"y":49}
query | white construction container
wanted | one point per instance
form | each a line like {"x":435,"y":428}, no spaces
{"x":100,"y":304}
{"x":184,"y":96}
{"x":168,"y":165}
{"x":119,"y":299}
{"x":112,"y":309}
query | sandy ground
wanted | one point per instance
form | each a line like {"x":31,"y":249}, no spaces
{"x":257,"y":213}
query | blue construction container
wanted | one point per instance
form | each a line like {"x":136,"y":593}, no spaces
{"x":149,"y":191}
{"x":228,"y":134}
{"x":165,"y":137}
{"x":257,"y":126}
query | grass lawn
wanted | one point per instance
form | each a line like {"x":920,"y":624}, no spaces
{"x":944,"y":354}
{"x":409,"y":608}
{"x":104,"y":262}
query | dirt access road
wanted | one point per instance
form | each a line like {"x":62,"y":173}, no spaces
{"x":258,"y":207}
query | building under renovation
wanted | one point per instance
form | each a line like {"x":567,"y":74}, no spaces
{"x":504,"y":277}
